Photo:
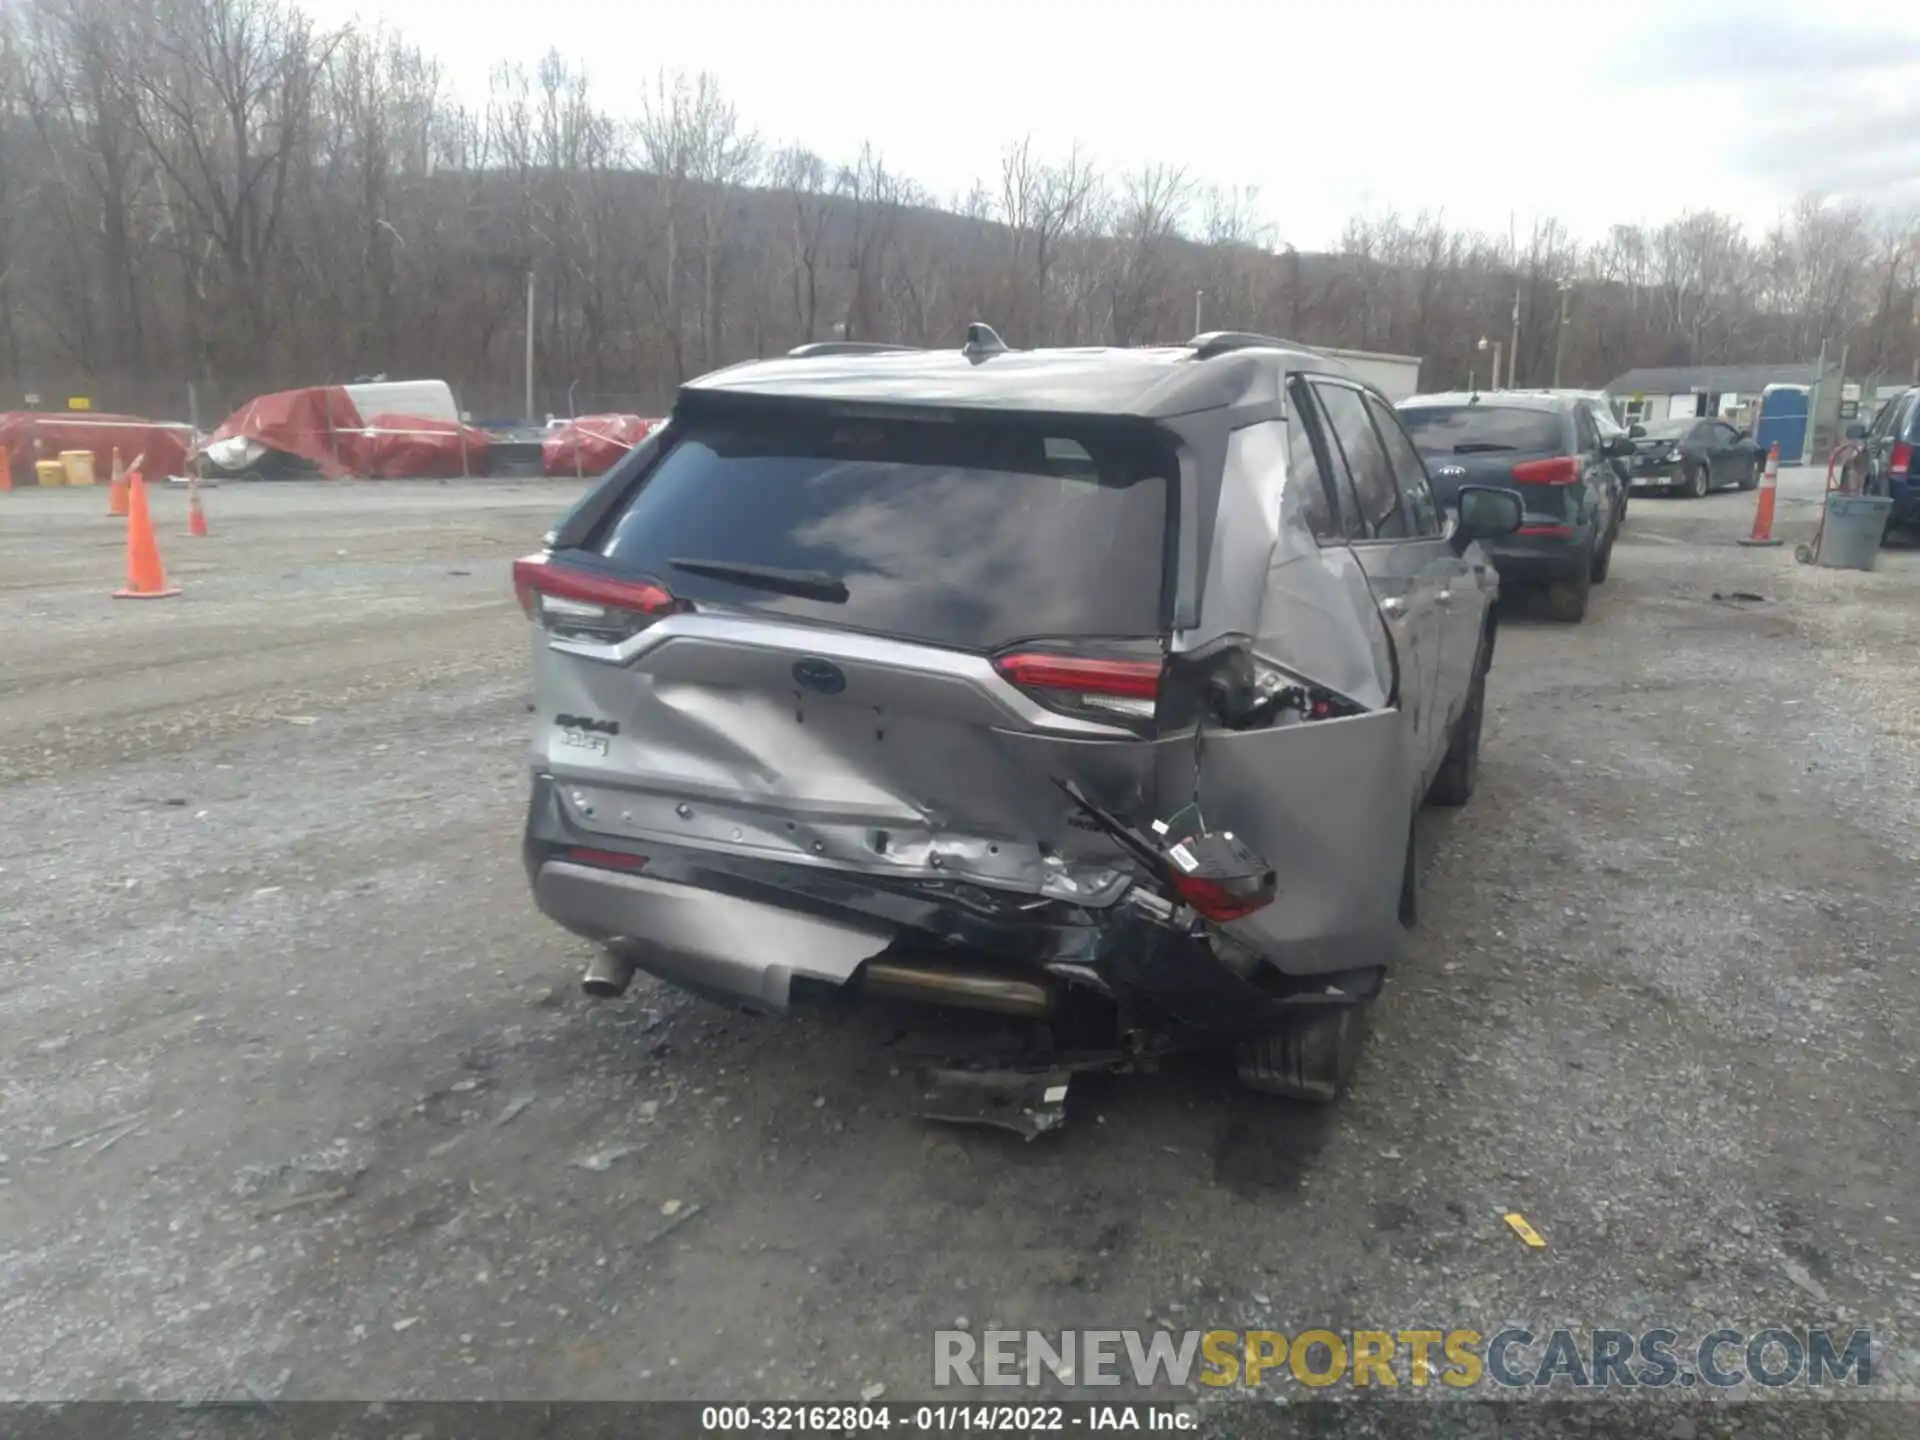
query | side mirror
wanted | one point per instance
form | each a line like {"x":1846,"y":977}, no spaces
{"x":1620,"y":445}
{"x":1856,"y":431}
{"x":1637,"y":431}
{"x":1486,"y":513}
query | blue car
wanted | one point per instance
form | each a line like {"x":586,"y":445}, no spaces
{"x":1889,"y":459}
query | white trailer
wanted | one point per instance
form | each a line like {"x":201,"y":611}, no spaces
{"x":1395,"y":376}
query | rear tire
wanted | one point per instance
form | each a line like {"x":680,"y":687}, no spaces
{"x":1453,"y":786}
{"x":1752,"y":478}
{"x":1602,"y":562}
{"x":1567,"y":599}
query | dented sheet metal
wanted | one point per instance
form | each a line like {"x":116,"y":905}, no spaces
{"x":1303,"y":607}
{"x":924,"y":775}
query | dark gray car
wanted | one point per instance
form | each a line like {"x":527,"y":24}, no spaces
{"x":1547,"y":450}
{"x":1098,"y":688}
{"x":1691,"y":457}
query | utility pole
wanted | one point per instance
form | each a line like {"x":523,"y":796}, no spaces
{"x":1560,"y":334}
{"x":530,"y":415}
{"x":1513,"y":350}
{"x":1199,"y":298}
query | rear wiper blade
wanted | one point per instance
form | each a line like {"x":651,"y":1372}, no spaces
{"x":1478,"y":447}
{"x":806,"y":584}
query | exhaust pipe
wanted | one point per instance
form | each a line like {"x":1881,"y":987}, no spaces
{"x":951,"y":987}
{"x":608,"y":976}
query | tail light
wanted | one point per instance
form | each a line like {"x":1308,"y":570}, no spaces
{"x":1100,"y":689}
{"x":1902,"y":458}
{"x":1561,"y":470}
{"x":1561,"y":531}
{"x":580,"y":603}
{"x":1220,"y":877}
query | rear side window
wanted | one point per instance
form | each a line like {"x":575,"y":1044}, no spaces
{"x":1423,"y":516}
{"x":1366,"y":460}
{"x":1585,"y":433}
{"x":1317,"y":435}
{"x":1304,"y":479}
{"x":1908,"y":426}
{"x":1484,"y":429}
{"x":962,"y":534}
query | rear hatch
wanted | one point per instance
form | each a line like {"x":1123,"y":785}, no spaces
{"x":1526,"y":449}
{"x":849,"y":639}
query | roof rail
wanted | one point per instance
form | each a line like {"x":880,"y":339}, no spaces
{"x":1220,"y":342}
{"x":843,"y":347}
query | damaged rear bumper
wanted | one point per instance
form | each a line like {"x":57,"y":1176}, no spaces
{"x":742,"y":931}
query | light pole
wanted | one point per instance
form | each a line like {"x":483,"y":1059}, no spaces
{"x":1513,"y":350}
{"x":1483,"y":346}
{"x":1199,"y":298}
{"x":529,"y":346}
{"x":1560,"y":332}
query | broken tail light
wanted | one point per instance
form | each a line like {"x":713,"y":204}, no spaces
{"x":584,"y":605}
{"x":1219,"y":876}
{"x":1095,"y":688}
{"x":1561,"y":470}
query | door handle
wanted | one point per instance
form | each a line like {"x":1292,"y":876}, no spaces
{"x":1393,"y":607}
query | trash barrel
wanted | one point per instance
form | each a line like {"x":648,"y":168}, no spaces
{"x":79,"y":465}
{"x":1850,"y":535}
{"x":50,"y":472}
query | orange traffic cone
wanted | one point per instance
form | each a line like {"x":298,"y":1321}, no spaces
{"x":145,"y":578}
{"x":1763,"y":507}
{"x":117,"y":489}
{"x":196,"y":517}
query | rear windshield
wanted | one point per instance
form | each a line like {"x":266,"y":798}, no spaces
{"x":1471,"y":429}
{"x":1670,"y":429}
{"x":957,"y":533}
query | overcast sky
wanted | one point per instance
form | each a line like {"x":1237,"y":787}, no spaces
{"x":1598,"y":112}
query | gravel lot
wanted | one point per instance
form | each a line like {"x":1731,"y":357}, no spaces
{"x":352,"y":1131}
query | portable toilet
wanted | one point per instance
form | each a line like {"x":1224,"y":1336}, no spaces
{"x":1783,"y":420}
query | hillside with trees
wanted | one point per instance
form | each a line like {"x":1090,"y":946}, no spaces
{"x":221,"y":192}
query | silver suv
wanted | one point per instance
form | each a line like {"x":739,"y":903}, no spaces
{"x":1098,"y":688}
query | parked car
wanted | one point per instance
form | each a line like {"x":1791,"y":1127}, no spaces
{"x":1887,"y":463}
{"x":1547,"y":450}
{"x":1691,"y":457}
{"x":1099,"y":688}
{"x":1600,"y":408}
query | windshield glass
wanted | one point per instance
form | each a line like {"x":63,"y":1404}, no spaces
{"x":961,"y":533}
{"x":1465,"y":429}
{"x":1669,"y":429}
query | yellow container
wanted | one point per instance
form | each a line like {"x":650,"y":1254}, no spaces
{"x":50,"y":472}
{"x":79,"y":465}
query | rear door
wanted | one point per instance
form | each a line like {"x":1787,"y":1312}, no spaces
{"x":1457,"y":593}
{"x":1725,"y":459}
{"x":1395,"y":555}
{"x":866,"y":642}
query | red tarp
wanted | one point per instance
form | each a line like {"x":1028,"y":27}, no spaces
{"x":322,"y":424}
{"x":316,"y":424}
{"x":165,"y":446}
{"x":407,"y":447}
{"x":592,"y":444}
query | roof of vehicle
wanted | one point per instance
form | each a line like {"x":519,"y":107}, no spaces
{"x":1713,"y":379}
{"x":1494,"y":400}
{"x":1152,"y":382}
